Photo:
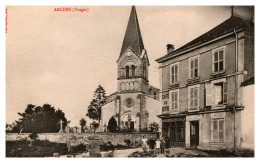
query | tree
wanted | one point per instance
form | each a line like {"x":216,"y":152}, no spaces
{"x":82,"y":123}
{"x":41,"y":119}
{"x":12,"y":128}
{"x":99,"y":99}
{"x":154,"y":126}
{"x":95,"y":125}
{"x":112,"y":125}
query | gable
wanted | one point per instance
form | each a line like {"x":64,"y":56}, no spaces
{"x":129,"y":57}
{"x":144,"y":57}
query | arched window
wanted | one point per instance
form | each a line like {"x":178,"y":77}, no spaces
{"x":145,"y":72}
{"x":133,"y":70}
{"x":127,"y":71}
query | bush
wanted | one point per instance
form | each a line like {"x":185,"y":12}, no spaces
{"x":141,"y":154}
{"x":79,"y":148}
{"x":151,"y":143}
{"x":38,"y":149}
{"x":120,"y":146}
{"x":107,"y":146}
{"x":112,"y":125}
{"x":33,"y":136}
{"x":128,"y":142}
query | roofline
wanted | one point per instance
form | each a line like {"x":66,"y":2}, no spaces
{"x":247,"y":82}
{"x":159,"y":60}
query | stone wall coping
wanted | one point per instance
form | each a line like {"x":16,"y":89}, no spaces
{"x":94,"y":133}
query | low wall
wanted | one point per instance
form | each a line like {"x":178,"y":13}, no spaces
{"x":77,"y":138}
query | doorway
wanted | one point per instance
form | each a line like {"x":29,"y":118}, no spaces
{"x":194,"y":134}
{"x":130,"y":126}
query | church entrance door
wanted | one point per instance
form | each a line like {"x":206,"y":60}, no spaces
{"x":132,"y":125}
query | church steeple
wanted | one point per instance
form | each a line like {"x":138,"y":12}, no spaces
{"x":133,"y":36}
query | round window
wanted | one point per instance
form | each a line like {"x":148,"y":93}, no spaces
{"x":129,"y":102}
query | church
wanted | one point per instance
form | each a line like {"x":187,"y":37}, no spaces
{"x":135,"y":105}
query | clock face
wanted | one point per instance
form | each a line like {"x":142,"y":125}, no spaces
{"x":129,"y":53}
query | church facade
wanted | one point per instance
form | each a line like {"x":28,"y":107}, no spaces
{"x":135,"y":104}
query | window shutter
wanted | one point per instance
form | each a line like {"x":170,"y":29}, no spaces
{"x":171,"y":102}
{"x":172,"y":74}
{"x":225,"y":91}
{"x":191,"y":98}
{"x":188,"y":99}
{"x":209,"y":94}
{"x":176,"y":76}
{"x":177,"y":100}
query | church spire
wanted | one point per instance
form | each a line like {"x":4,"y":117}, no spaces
{"x":133,"y":36}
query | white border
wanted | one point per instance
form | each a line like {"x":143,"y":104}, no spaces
{"x":120,"y":2}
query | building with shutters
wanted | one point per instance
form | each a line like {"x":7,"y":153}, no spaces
{"x":135,"y":105}
{"x":201,"y":93}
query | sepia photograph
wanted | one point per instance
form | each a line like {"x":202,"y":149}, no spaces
{"x":130,"y":81}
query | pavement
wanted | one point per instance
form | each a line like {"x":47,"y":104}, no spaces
{"x":173,"y":152}
{"x":182,"y":152}
{"x":127,"y":152}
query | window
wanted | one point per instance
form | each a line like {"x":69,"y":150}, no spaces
{"x":194,"y":67}
{"x":129,"y":102}
{"x":174,"y":73}
{"x":218,"y":60}
{"x":127,"y":71}
{"x":174,"y":100}
{"x":133,"y":70}
{"x":216,"y":93}
{"x":217,"y":132}
{"x":220,"y":93}
{"x":194,"y":98}
{"x":145,"y":72}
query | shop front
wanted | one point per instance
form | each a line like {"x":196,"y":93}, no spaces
{"x":174,"y":129}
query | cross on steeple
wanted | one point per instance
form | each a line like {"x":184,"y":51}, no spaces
{"x":232,"y":10}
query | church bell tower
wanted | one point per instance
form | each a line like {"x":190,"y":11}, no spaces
{"x":133,"y":60}
{"x":132,"y":78}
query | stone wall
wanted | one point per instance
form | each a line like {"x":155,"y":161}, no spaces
{"x":77,"y":138}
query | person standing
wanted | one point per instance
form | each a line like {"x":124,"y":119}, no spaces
{"x":157,"y":146}
{"x":144,"y":143}
{"x":167,"y":142}
{"x":68,"y":145}
{"x":162,"y":145}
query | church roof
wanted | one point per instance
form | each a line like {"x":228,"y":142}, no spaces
{"x":133,"y":36}
{"x":225,"y":27}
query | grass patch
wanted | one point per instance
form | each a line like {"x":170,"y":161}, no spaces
{"x":36,"y":148}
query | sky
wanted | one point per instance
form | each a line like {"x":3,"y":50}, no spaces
{"x":60,"y":58}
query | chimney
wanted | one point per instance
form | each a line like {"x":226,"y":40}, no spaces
{"x":170,"y":48}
